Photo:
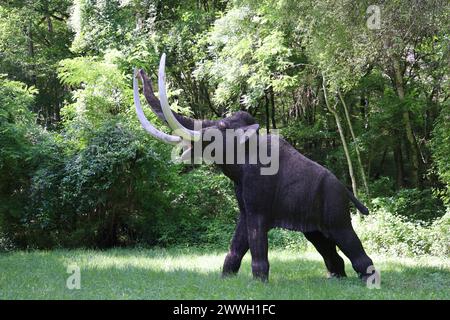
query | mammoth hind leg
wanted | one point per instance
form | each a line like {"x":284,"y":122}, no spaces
{"x":351,"y":246}
{"x":327,"y":248}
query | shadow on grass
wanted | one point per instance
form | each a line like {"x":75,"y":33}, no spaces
{"x":184,"y":274}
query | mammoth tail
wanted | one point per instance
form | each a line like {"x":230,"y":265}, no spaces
{"x":362,"y":208}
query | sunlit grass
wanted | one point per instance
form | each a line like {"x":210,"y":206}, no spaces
{"x":195,"y":274}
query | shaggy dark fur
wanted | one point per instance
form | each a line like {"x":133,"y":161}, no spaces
{"x":302,"y":196}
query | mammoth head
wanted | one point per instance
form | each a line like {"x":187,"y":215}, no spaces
{"x":224,"y":135}
{"x":225,"y":142}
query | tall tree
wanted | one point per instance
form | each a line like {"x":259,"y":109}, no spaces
{"x":34,"y":36}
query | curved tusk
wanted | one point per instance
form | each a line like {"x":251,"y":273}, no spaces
{"x":171,"y":120}
{"x":167,"y":138}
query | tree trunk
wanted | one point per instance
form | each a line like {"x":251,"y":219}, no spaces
{"x":358,"y":155}
{"x":380,"y":167}
{"x":31,"y":52}
{"x":398,"y":158}
{"x":272,"y":104}
{"x":341,"y":134}
{"x":49,"y":24}
{"x":398,"y":79}
{"x":266,"y":102}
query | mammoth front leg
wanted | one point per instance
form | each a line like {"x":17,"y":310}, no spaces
{"x":259,"y":246}
{"x":239,"y":244}
{"x":238,"y":248}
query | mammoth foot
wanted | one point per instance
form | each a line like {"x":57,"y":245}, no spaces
{"x":336,"y":275}
{"x":231,"y":264}
{"x":228,"y":274}
{"x":261,"y":277}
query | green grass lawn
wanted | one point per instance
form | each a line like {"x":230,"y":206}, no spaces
{"x":195,"y":274}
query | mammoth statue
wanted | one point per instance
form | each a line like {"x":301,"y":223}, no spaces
{"x":301,"y":195}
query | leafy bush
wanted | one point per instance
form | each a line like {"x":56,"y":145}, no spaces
{"x":22,"y":148}
{"x":384,"y":232}
{"x":415,"y":205}
{"x":95,"y":196}
{"x":411,"y":222}
{"x":439,"y":236}
{"x":5,"y":243}
{"x":280,"y":238}
{"x":440,"y":145}
{"x":382,"y":187}
{"x":203,"y":210}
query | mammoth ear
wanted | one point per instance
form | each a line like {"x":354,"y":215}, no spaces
{"x":246,"y":133}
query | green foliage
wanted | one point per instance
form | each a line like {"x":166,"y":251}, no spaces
{"x":441,"y":150}
{"x":382,"y":187}
{"x":92,"y":177}
{"x":203,"y":211}
{"x":93,"y":197}
{"x":247,"y":51}
{"x":415,"y":205}
{"x":33,"y":37}
{"x":392,"y":234}
{"x":19,"y":147}
{"x":101,"y":25}
{"x":292,"y":240}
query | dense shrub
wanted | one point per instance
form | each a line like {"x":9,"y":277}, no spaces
{"x":413,"y":204}
{"x":382,"y":187}
{"x":385,"y":232}
{"x":22,"y":149}
{"x":94,"y":197}
{"x":5,"y":243}
{"x":440,"y":145}
{"x":203,"y":210}
{"x":293,"y":240}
